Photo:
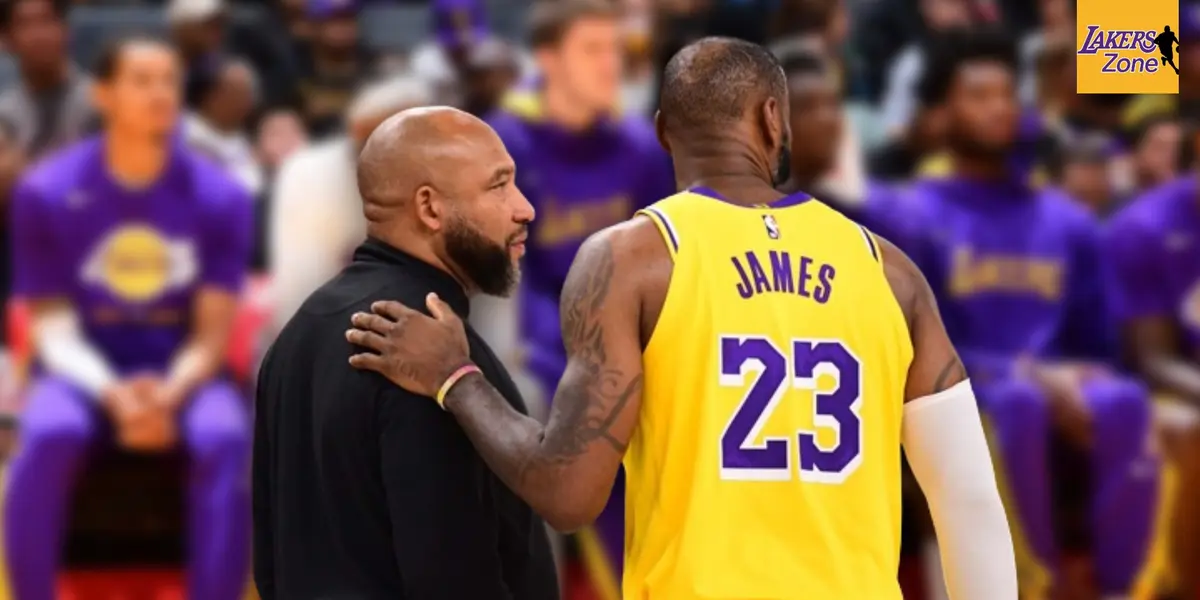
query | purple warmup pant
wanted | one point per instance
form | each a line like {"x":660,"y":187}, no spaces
{"x":61,"y":426}
{"x":1124,"y":476}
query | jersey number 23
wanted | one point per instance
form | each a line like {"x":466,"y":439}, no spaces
{"x":745,"y":458}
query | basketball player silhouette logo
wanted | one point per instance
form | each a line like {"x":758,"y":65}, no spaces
{"x":1168,"y":44}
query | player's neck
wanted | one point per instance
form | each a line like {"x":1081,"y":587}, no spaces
{"x":743,"y":189}
{"x":135,"y":161}
{"x":565,"y":112}
{"x":984,"y":169}
{"x":740,"y":181}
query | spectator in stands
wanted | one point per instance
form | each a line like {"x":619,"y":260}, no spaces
{"x":1189,"y":54}
{"x":316,"y":212}
{"x":1018,"y":278}
{"x":334,"y":65}
{"x":458,"y":25}
{"x":131,"y":251}
{"x":1153,"y":246}
{"x":583,"y":166}
{"x":11,"y":162}
{"x":49,"y":105}
{"x":280,"y":135}
{"x":638,"y":88}
{"x":1082,"y":171}
{"x":816,"y":123}
{"x":901,"y":156}
{"x":900,"y":95}
{"x":1057,"y":29}
{"x":1157,"y":145}
{"x":204,"y":32}
{"x":823,"y":31}
{"x":491,"y":71}
{"x":1054,"y":87}
{"x":460,"y":29}
{"x":223,"y":96}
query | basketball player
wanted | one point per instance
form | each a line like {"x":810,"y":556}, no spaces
{"x":1019,"y":278}
{"x":1165,"y":41}
{"x":756,"y":360}
{"x":132,"y":250}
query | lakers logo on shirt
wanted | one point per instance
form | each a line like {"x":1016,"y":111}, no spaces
{"x":137,"y":263}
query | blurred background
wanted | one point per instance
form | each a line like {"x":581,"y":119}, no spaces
{"x":279,"y":93}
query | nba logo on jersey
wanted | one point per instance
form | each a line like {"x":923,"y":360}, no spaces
{"x":772,"y":227}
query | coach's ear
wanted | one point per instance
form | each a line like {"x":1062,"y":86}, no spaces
{"x":660,"y":130}
{"x":430,"y":207}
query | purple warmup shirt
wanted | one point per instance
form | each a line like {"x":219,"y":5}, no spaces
{"x":1016,"y":271}
{"x":1153,"y":249}
{"x":579,"y":183}
{"x":129,"y":260}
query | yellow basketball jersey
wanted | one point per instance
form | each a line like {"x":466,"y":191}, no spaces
{"x":766,"y":461}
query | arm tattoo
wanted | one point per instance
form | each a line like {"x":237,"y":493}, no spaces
{"x":587,"y":410}
{"x":918,"y":304}
{"x":592,"y":393}
{"x":954,"y":372}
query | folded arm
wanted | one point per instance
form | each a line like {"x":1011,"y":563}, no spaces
{"x":565,"y":470}
{"x":944,"y":440}
{"x":63,"y":349}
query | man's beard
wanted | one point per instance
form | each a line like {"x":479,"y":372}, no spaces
{"x":487,"y":265}
{"x":969,"y":147}
{"x":783,"y":167}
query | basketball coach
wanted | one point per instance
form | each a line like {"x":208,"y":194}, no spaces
{"x":361,"y":489}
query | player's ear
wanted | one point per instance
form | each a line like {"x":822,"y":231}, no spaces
{"x":771,"y":123}
{"x":660,"y":130}
{"x":430,"y":207}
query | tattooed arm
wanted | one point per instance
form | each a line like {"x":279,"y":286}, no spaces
{"x":935,"y":366}
{"x":944,"y":441}
{"x":565,"y":470}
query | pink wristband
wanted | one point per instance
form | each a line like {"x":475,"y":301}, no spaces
{"x":453,"y":379}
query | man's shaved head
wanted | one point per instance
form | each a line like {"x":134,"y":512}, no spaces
{"x":441,"y":177}
{"x":425,"y":146}
{"x":710,"y":83}
{"x":726,"y":91}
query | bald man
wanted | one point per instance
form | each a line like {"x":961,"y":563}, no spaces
{"x":756,"y":360}
{"x":316,"y":213}
{"x":361,"y":489}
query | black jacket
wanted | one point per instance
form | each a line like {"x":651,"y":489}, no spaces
{"x":363,"y":490}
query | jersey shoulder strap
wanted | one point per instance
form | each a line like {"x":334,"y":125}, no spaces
{"x":666,"y":215}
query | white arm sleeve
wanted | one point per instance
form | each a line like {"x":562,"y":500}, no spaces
{"x":64,"y":351}
{"x":946,"y":448}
